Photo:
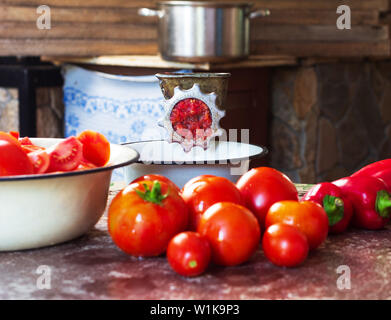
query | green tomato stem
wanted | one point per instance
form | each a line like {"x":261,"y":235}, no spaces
{"x":153,"y":195}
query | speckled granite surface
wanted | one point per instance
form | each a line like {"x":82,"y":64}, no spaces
{"x":91,"y":267}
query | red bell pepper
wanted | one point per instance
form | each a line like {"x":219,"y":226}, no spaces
{"x":373,"y":168}
{"x":380,"y":169}
{"x":338,"y":207}
{"x":371,"y":200}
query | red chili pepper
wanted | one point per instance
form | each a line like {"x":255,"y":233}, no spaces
{"x":338,"y":207}
{"x":380,"y":169}
{"x":371,"y":200}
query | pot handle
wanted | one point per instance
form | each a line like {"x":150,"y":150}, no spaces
{"x":259,"y":13}
{"x":145,"y":12}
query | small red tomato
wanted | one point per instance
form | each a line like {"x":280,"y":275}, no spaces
{"x":157,"y":177}
{"x":96,"y":148}
{"x":309,"y":217}
{"x":65,"y":155}
{"x":189,"y":253}
{"x":285,"y":245}
{"x":232,"y":231}
{"x":262,"y":187}
{"x":204,"y":191}
{"x":144,"y":216}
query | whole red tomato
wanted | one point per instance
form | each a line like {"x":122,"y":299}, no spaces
{"x":144,"y":216}
{"x":285,"y":245}
{"x":189,"y":253}
{"x":157,"y":177}
{"x":232,"y":231}
{"x":309,"y":217}
{"x":204,"y":191}
{"x":262,"y":187}
{"x":198,"y":178}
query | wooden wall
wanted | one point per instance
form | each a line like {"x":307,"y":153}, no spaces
{"x":95,"y":27}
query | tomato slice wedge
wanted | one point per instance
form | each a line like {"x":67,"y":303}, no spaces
{"x":13,"y":160}
{"x":85,"y":165}
{"x":15,"y":134}
{"x":25,"y":141}
{"x":40,"y":160}
{"x":66,"y":155}
{"x":31,"y":148}
{"x":7,"y":137}
{"x":96,"y":148}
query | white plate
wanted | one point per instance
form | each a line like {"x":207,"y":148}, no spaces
{"x":162,"y":152}
{"x":225,"y":159}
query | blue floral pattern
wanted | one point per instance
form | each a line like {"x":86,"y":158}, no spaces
{"x":137,"y":114}
{"x":118,"y":108}
{"x":119,"y":120}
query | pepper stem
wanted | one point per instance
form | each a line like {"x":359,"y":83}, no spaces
{"x":334,"y":208}
{"x":153,"y":195}
{"x":383,"y":204}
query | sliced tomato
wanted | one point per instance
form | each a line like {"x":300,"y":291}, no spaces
{"x":25,"y":141}
{"x":96,"y":148}
{"x":7,"y":137}
{"x":13,"y":161}
{"x":85,"y":165}
{"x":31,"y":148}
{"x":15,"y":134}
{"x":65,"y":155}
{"x":40,"y":160}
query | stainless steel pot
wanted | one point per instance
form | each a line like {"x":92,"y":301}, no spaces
{"x":203,"y":31}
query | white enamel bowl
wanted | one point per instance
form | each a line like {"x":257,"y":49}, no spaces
{"x":43,"y":210}
{"x":223,"y":158}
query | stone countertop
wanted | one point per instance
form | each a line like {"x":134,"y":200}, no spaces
{"x":92,"y":267}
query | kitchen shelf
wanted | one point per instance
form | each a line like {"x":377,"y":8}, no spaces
{"x":300,"y":28}
{"x":155,"y":61}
